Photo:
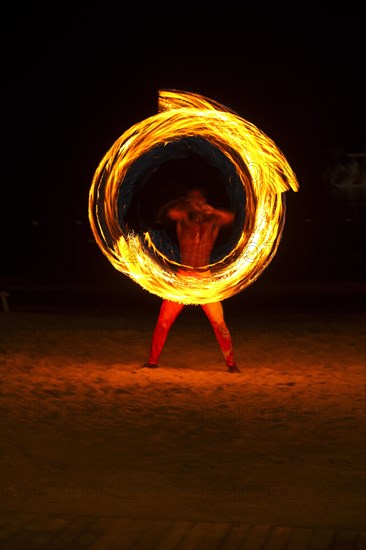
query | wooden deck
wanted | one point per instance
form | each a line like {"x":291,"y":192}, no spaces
{"x":59,"y":532}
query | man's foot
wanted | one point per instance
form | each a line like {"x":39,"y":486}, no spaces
{"x":233,"y":368}
{"x":150,"y":366}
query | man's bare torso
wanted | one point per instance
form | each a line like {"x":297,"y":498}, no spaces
{"x":196,"y":237}
{"x":197,"y":227}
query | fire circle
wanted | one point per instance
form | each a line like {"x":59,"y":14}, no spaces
{"x":260,"y":166}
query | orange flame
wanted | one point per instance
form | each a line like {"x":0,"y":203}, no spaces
{"x":183,"y":114}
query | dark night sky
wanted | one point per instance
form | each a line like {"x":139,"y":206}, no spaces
{"x":77,"y":80}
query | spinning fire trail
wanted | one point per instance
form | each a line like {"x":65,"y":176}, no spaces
{"x":263,"y":174}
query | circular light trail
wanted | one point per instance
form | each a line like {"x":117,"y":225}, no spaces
{"x":260,"y":165}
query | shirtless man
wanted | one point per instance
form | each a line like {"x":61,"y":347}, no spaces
{"x":197,"y":226}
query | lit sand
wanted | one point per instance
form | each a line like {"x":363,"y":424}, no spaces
{"x":83,"y":430}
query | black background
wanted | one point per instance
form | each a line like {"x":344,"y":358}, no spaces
{"x":77,"y":78}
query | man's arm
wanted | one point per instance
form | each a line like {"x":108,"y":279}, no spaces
{"x":223,"y":217}
{"x":206,"y":211}
{"x":175,"y":210}
{"x":180,"y":210}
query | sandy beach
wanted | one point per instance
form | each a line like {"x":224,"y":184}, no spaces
{"x":85,"y":430}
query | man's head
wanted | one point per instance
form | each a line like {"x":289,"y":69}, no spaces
{"x":197,"y":193}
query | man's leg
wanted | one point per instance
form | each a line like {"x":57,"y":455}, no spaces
{"x":169,"y":311}
{"x":215,"y":314}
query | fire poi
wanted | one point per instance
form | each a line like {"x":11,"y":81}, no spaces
{"x":262,"y":176}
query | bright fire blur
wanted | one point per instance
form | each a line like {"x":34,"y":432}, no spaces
{"x":260,"y":165}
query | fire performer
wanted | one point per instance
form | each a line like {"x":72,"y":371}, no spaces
{"x":197,"y":227}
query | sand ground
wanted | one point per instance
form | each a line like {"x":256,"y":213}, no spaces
{"x":84,"y":430}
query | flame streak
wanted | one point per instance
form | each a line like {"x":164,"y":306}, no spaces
{"x":183,"y":114}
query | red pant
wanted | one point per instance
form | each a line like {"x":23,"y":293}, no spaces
{"x":168,"y":314}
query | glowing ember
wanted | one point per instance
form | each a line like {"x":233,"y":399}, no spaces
{"x":260,"y":165}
